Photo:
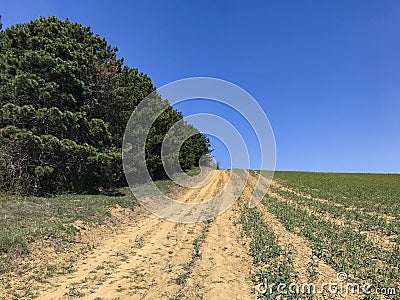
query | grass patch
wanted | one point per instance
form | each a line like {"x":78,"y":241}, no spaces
{"x":26,"y":219}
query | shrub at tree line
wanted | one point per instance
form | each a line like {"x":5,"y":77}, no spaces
{"x":65,"y":99}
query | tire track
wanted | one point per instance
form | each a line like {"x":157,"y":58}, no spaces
{"x":141,"y":261}
{"x":222,"y":272}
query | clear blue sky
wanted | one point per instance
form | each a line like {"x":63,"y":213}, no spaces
{"x":327,"y":73}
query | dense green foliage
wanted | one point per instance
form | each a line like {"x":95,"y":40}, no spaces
{"x":65,"y":99}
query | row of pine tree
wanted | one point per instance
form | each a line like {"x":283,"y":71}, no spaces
{"x":65,"y":100}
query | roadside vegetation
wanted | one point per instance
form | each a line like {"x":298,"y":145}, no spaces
{"x":28,"y":219}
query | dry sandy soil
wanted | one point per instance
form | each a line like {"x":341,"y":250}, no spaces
{"x":145,"y":257}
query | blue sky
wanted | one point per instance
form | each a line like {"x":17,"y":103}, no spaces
{"x":326,"y":73}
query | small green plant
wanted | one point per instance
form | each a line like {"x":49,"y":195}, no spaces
{"x":197,"y":243}
{"x":74,"y":293}
{"x":271,"y":262}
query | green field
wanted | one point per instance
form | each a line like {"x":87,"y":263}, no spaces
{"x":371,"y":192}
{"x":351,"y":221}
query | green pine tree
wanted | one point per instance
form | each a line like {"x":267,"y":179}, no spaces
{"x":65,"y":99}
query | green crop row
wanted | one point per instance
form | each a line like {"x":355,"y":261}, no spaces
{"x":363,"y":221}
{"x":272,"y":264}
{"x":343,"y":248}
{"x":378,"y":193}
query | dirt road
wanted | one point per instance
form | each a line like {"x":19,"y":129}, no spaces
{"x":150,"y":258}
{"x":146,"y":257}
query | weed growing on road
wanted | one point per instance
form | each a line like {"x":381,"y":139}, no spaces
{"x":197,"y":243}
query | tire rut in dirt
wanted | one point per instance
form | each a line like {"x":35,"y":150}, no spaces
{"x":141,"y":261}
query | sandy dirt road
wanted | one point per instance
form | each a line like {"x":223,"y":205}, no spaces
{"x":151,"y":258}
